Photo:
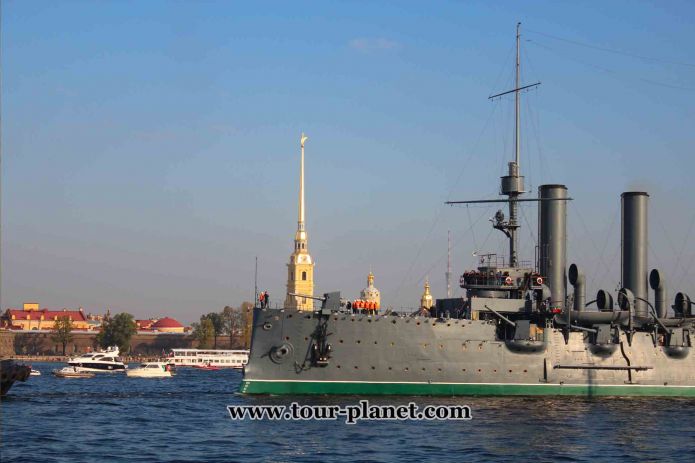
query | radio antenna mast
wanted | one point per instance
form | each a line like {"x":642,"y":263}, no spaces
{"x":448,"y":264}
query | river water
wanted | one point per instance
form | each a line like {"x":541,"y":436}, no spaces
{"x":184,"y":419}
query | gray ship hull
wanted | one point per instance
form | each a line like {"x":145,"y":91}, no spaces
{"x":379,"y":355}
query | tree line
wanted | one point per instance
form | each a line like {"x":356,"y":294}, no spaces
{"x":232,"y":322}
{"x":119,"y":329}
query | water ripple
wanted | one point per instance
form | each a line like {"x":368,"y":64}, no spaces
{"x":183,"y":419}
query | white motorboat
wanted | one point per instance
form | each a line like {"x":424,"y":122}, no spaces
{"x":150,"y":370}
{"x":72,"y":372}
{"x":35,"y":372}
{"x":99,"y":362}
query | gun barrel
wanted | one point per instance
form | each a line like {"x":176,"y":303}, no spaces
{"x":316,"y":298}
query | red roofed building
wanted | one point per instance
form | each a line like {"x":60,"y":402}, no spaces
{"x":168,"y":325}
{"x":33,"y":318}
{"x":144,"y":325}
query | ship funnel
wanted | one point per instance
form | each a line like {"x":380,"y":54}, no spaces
{"x":577,"y":280}
{"x":656,"y":281}
{"x":552,"y":233}
{"x":634,"y":247}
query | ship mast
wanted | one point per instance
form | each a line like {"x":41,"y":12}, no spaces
{"x":512,"y":184}
{"x":516,"y":99}
{"x":518,"y":183}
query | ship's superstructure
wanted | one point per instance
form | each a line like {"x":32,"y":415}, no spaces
{"x":522,"y":330}
{"x":300,"y":270}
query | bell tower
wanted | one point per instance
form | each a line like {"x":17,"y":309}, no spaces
{"x":300,"y":270}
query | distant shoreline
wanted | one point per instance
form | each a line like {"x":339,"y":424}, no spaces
{"x":63,"y":359}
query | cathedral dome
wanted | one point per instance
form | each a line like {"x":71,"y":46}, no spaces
{"x":426,"y":301}
{"x":370,"y":293}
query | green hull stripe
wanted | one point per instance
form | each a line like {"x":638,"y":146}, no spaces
{"x":350,"y":388}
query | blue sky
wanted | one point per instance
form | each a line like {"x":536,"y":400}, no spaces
{"x":150,"y":149}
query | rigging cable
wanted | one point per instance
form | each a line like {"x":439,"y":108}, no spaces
{"x":680,"y":254}
{"x":588,"y":234}
{"x":617,"y":75}
{"x":441,"y":208}
{"x":606,"y":269}
{"x":456,"y":243}
{"x":612,"y":50}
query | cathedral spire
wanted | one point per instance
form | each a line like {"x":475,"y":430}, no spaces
{"x":300,"y":222}
{"x":300,"y":276}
